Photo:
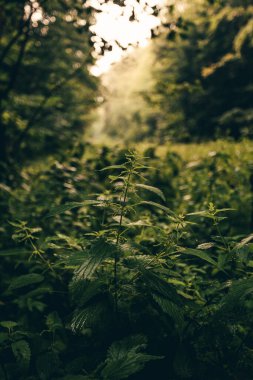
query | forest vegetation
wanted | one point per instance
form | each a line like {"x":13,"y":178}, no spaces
{"x":126,"y":236}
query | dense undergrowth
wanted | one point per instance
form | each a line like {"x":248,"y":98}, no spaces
{"x":118,"y":265}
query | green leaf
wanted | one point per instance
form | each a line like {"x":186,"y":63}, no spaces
{"x":244,"y":241}
{"x":86,"y":318}
{"x":139,"y":223}
{"x":159,"y":285}
{"x":152,"y":189}
{"x":14,"y":252}
{"x":200,"y":254}
{"x":112,"y":167}
{"x":25,"y":280}
{"x":224,"y":210}
{"x":161,"y":207}
{"x":237,"y":293}
{"x":205,"y":245}
{"x":171,"y":309}
{"x":22,"y":352}
{"x":71,"y":205}
{"x":8,"y":324}
{"x":126,"y":358}
{"x":139,"y":262}
{"x":198,"y":213}
{"x":92,"y":259}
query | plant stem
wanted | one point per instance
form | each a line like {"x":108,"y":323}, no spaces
{"x":125,"y":192}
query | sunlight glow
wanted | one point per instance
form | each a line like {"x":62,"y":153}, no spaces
{"x":114,"y":26}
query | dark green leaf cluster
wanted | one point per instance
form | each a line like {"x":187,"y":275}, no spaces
{"x":135,"y":271}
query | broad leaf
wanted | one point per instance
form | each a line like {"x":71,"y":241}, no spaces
{"x":8,"y":324}
{"x":25,"y":280}
{"x":244,"y":241}
{"x":22,"y":352}
{"x":170,"y":308}
{"x":112,"y":167}
{"x":152,"y":189}
{"x":159,"y":285}
{"x":139,"y":223}
{"x":86,"y":318}
{"x":200,"y":254}
{"x":157,"y":205}
{"x":237,"y":293}
{"x":71,"y":205}
{"x":14,"y":252}
{"x":126,"y":358}
{"x":92,"y":259}
{"x":205,"y":245}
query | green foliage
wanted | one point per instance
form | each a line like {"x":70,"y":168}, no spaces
{"x":99,"y":251}
{"x":203,"y":83}
{"x":112,"y":268}
{"x":25,"y":280}
{"x":131,"y":273}
{"x":22,"y":352}
{"x":45,"y":53}
{"x":125,"y":358}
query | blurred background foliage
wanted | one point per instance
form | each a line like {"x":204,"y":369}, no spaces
{"x":195,"y":79}
{"x":46,"y":88}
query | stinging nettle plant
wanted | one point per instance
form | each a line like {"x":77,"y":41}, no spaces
{"x":138,"y":292}
{"x":113,"y":277}
{"x":117,"y":282}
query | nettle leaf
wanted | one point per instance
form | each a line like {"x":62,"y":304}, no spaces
{"x":205,"y":245}
{"x":25,"y":280}
{"x":139,"y":262}
{"x":112,"y":167}
{"x":237,"y":293}
{"x":170,"y":308}
{"x":139,"y":223}
{"x":14,"y":252}
{"x":224,"y":210}
{"x":73,"y":259}
{"x":158,"y":285}
{"x":244,"y":241}
{"x":152,"y":189}
{"x":198,"y":213}
{"x":92,"y":259}
{"x":8,"y":324}
{"x":126,"y":358}
{"x":198,"y":253}
{"x":157,"y":205}
{"x":71,"y":205}
{"x":86,"y":318}
{"x":22,"y":352}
